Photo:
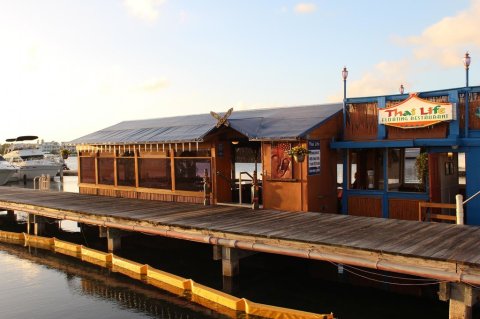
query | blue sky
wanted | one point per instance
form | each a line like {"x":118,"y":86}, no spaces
{"x":68,"y":68}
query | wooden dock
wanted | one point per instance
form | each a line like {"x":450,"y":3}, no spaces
{"x":445,"y":252}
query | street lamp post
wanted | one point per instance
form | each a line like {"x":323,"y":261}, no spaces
{"x":344,"y":76}
{"x":466,"y":63}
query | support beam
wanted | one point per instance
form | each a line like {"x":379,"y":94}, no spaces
{"x":217,"y":252}
{"x":462,"y":298}
{"x":11,"y":217}
{"x":114,"y":239}
{"x":230,"y":262}
{"x":102,"y":232}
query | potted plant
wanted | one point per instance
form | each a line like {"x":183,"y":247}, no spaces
{"x":298,"y":153}
{"x":65,"y":153}
{"x":421,"y":165}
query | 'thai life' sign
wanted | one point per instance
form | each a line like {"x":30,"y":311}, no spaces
{"x":415,"y":112}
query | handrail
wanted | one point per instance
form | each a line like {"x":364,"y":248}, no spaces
{"x":471,"y":197}
{"x":240,"y":185}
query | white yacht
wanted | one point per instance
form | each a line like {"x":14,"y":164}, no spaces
{"x":29,"y":160}
{"x":6,"y":171}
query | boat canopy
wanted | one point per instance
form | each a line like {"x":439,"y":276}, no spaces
{"x":22,"y":138}
{"x":282,"y":123}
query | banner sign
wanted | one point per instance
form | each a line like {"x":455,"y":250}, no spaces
{"x":415,"y":112}
{"x":314,"y":157}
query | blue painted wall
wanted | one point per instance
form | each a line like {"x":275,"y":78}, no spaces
{"x":472,"y":167}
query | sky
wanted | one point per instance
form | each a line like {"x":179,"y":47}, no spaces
{"x":69,"y":68}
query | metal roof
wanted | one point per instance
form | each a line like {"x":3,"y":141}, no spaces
{"x":283,"y":123}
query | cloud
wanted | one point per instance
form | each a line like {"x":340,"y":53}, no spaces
{"x":304,"y":8}
{"x":384,"y":78}
{"x":147,"y":10}
{"x":447,"y":40}
{"x":154,"y":85}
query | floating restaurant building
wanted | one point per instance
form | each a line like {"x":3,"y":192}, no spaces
{"x":167,"y":158}
{"x":406,"y":149}
{"x":382,"y":156}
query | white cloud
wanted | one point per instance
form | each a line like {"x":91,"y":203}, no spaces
{"x":385,"y":78}
{"x":147,"y":10}
{"x":154,"y":85}
{"x":305,"y":8}
{"x":447,"y":40}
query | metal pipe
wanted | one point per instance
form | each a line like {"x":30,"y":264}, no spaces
{"x":380,"y":264}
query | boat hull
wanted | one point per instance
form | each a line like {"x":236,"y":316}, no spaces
{"x":6,"y":175}
{"x":30,"y":172}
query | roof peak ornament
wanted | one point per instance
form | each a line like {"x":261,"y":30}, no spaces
{"x":222,"y":120}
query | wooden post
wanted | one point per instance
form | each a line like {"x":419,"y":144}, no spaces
{"x":102,"y":232}
{"x":459,"y":208}
{"x":114,"y":239}
{"x":255,"y":204}
{"x":206,"y":188}
{"x":217,"y":252}
{"x":11,"y":217}
{"x":38,"y":226}
{"x":462,"y":298}
{"x":230,"y":262}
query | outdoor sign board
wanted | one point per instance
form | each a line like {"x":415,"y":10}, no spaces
{"x":415,"y":112}
{"x":314,"y":157}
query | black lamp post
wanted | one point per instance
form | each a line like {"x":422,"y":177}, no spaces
{"x":344,"y":76}
{"x":466,"y":63}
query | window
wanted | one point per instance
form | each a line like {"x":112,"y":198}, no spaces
{"x":87,"y":170}
{"x":402,"y":173}
{"x":155,"y":173}
{"x":126,"y":171}
{"x":366,"y":169}
{"x":106,"y":171}
{"x":189,"y":173}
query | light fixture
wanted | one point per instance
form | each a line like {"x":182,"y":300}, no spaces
{"x":402,"y":89}
{"x":450,"y":156}
{"x":344,"y":73}
{"x":235,"y":142}
{"x":466,"y":60}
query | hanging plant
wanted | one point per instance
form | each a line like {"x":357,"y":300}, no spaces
{"x":421,"y":165}
{"x":298,"y":153}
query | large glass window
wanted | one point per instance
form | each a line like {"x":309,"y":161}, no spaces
{"x":87,"y":170}
{"x":366,"y":169}
{"x":189,"y":173}
{"x":106,"y":171}
{"x":402,"y":172}
{"x":126,"y":171}
{"x":155,"y":173}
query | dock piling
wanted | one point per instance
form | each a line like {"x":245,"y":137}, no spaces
{"x":462,"y":299}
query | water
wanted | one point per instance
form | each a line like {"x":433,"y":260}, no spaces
{"x":41,"y":284}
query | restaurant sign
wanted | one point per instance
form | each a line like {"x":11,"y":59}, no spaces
{"x":415,"y":112}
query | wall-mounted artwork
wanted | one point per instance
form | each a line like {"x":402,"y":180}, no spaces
{"x":281,"y":162}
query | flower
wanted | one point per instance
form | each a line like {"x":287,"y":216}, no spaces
{"x":298,"y":150}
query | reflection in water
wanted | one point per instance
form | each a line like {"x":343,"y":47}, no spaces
{"x":64,"y":287}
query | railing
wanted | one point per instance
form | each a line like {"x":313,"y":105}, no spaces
{"x":423,"y":217}
{"x":43,"y":182}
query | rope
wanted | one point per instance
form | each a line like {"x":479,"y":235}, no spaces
{"x":433,"y":282}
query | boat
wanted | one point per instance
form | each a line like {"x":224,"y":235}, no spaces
{"x":6,"y":171}
{"x":29,"y":160}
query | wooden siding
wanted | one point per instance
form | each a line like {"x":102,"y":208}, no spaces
{"x":145,"y":194}
{"x":367,"y":206}
{"x":439,"y":130}
{"x":406,"y":209}
{"x":361,"y":122}
{"x":473,"y":104}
